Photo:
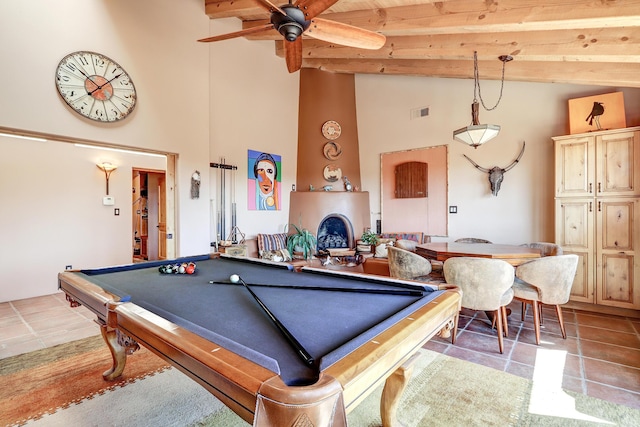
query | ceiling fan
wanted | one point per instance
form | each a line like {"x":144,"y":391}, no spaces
{"x":294,"y":19}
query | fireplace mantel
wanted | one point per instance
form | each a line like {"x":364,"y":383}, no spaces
{"x":309,"y":208}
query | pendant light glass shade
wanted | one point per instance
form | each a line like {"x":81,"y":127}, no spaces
{"x":476,"y":134}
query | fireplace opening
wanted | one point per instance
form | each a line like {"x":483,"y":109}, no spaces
{"x":335,"y":232}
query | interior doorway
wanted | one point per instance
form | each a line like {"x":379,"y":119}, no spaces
{"x":149,"y":212}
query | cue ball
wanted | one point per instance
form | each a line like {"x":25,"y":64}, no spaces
{"x":234,"y":278}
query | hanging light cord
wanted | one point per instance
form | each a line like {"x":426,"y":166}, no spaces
{"x":476,"y":77}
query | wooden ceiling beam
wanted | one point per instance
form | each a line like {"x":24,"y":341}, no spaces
{"x":475,"y":16}
{"x":590,"y":45}
{"x":592,"y":73}
{"x":216,"y":9}
{"x":479,"y":16}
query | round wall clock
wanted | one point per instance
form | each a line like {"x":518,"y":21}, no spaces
{"x":331,"y":130}
{"x":95,"y":86}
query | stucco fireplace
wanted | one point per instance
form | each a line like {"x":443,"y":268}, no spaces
{"x":311,"y":208}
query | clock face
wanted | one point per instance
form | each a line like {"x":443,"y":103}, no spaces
{"x":95,"y":86}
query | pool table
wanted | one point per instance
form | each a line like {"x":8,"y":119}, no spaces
{"x":216,"y":332}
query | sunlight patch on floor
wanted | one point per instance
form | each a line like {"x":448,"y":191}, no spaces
{"x":547,"y":396}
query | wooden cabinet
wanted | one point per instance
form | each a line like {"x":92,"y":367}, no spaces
{"x":597,"y":214}
{"x":605,"y":163}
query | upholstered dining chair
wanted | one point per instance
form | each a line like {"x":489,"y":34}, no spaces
{"x":472,"y":240}
{"x":486,"y":285}
{"x":545,"y":280}
{"x":546,"y":249}
{"x":407,"y":265}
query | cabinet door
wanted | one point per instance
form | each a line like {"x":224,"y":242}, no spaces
{"x":575,"y":167}
{"x":618,"y":164}
{"x":617,"y":263}
{"x":411,"y":180}
{"x":574,"y":232}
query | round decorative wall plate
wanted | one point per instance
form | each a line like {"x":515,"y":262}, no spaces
{"x":332,"y":173}
{"x":332,"y":150}
{"x":331,"y":130}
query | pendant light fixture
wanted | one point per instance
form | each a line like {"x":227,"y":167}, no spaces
{"x":477,"y":134}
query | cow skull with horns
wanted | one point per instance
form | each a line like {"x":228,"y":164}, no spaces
{"x":496,"y":174}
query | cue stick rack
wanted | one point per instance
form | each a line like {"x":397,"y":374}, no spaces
{"x":223,"y":210}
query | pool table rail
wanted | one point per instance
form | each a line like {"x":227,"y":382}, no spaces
{"x":367,"y":367}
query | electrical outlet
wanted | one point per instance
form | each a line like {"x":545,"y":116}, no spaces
{"x":453,"y":209}
{"x":68,"y":267}
{"x":116,"y":211}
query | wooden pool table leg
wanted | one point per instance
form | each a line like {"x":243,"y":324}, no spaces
{"x":392,"y":392}
{"x":117,"y":353}
{"x":120,"y":346}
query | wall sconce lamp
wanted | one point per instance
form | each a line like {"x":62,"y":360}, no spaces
{"x":477,"y":134}
{"x":107,"y":168}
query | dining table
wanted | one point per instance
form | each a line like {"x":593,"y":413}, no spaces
{"x":513,"y":254}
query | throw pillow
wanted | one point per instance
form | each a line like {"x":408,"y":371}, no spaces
{"x":409,"y":245}
{"x":279,"y":255}
{"x":381,"y":248}
{"x":271,"y":242}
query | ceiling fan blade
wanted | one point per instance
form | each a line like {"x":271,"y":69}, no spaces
{"x":271,"y":6}
{"x":293,"y":54}
{"x":344,"y":34}
{"x":241,"y":33}
{"x":313,"y":8}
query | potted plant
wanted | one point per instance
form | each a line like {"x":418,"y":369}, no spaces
{"x":370,"y":238}
{"x":302,"y":241}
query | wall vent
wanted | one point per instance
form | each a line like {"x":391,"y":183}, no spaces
{"x":416,"y":113}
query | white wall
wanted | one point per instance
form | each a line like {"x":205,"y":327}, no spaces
{"x":254,"y":105}
{"x":531,"y":112}
{"x":53,"y":216}
{"x":155,"y":41}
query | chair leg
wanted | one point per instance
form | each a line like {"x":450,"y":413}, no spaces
{"x":536,"y":320}
{"x":523,"y":310}
{"x":540,"y":311}
{"x":561,"y":321}
{"x":505,"y":323}
{"x":498,"y":316}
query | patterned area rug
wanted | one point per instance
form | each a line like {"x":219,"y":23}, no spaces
{"x":63,"y":386}
{"x":44,"y":381}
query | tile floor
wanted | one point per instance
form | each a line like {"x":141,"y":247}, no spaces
{"x":599,"y":358}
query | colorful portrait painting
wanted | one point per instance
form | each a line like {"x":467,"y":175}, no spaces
{"x":264,"y":181}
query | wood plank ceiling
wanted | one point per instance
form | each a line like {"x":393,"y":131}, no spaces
{"x":591,"y":42}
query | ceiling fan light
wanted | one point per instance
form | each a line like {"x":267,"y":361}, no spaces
{"x":290,"y":30}
{"x":476,"y":135}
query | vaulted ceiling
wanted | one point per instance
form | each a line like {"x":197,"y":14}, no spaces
{"x":592,"y":42}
